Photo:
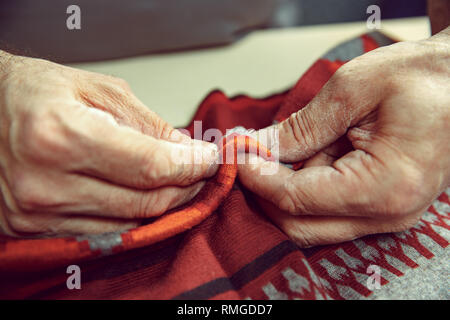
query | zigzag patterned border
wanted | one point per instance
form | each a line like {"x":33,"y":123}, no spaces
{"x":342,"y":274}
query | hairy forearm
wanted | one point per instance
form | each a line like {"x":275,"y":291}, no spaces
{"x":8,"y":62}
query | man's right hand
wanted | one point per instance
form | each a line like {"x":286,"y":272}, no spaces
{"x":79,"y":153}
{"x":375,"y":146}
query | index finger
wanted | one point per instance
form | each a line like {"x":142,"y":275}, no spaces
{"x":125,"y":156}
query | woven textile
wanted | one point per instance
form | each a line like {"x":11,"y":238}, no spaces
{"x":236,"y":253}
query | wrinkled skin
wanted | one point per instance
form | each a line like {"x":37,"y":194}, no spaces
{"x":79,"y":153}
{"x":376,"y":144}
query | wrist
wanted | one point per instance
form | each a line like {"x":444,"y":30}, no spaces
{"x":6,"y":60}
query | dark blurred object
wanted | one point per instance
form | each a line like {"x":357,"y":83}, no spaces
{"x":114,"y":29}
{"x":308,"y":12}
{"x":439,"y":12}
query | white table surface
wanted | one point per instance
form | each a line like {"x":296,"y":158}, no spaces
{"x":262,"y":63}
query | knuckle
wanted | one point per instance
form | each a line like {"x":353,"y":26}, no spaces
{"x":29,"y":194}
{"x":186,"y":173}
{"x":159,"y":168}
{"x":302,"y":129}
{"x":115,"y":86}
{"x":149,"y":205}
{"x":112,"y":88}
{"x":155,"y":169}
{"x":292,"y":199}
{"x":164,"y":130}
{"x":406,"y":223}
{"x":302,"y":235}
{"x":40,"y":137}
{"x":43,"y":137}
{"x":287,"y":203}
{"x":144,"y":207}
{"x":20,"y":224}
{"x":341,"y":77}
{"x":149,"y":175}
{"x":122,"y":83}
{"x":408,"y":197}
{"x":303,"y":242}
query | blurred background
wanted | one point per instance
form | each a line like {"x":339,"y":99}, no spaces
{"x":308,"y":12}
{"x":117,"y":28}
{"x":174,"y":52}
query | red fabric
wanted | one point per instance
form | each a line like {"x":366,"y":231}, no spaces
{"x":40,"y":254}
{"x":236,"y":252}
{"x":307,"y":87}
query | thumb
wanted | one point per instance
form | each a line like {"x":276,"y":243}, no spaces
{"x":342,"y":102}
{"x":314,"y":127}
{"x":345,"y":189}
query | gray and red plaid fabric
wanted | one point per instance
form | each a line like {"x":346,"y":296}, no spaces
{"x":236,"y":253}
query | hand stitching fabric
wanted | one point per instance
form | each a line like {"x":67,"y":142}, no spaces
{"x":17,"y":254}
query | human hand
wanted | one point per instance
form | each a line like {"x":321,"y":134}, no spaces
{"x":79,"y":153}
{"x":376,"y":144}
